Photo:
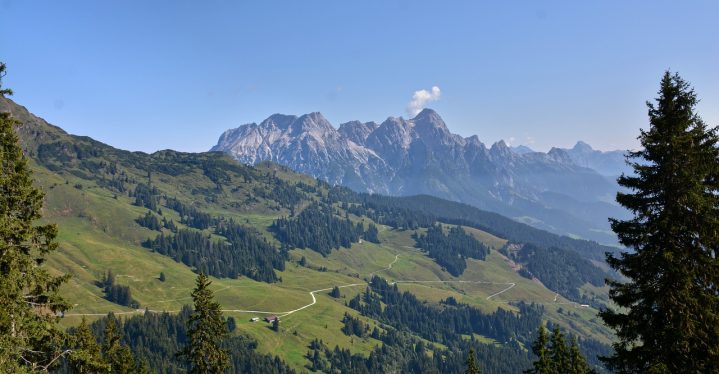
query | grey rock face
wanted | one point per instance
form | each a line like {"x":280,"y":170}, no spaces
{"x":421,"y":156}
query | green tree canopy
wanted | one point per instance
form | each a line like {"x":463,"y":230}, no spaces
{"x":472,"y":367}
{"x":86,"y":355}
{"x":115,"y":353}
{"x":668,"y":315}
{"x":543,"y":363}
{"x":206,"y":329}
{"x":554,"y":356}
{"x":577,"y":363}
{"x":29,"y":300}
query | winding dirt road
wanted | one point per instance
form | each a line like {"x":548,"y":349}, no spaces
{"x":314,"y":298}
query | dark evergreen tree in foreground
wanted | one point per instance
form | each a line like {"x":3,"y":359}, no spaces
{"x":29,"y":300}
{"x":669,"y":316}
{"x":206,"y":329}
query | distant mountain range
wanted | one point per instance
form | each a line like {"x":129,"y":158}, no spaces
{"x":609,"y":163}
{"x":567,"y":191}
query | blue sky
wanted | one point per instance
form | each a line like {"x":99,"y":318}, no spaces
{"x":149,"y":75}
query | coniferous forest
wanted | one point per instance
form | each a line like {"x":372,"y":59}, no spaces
{"x":451,"y":250}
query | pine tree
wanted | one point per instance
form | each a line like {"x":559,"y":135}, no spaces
{"x":205,"y":330}
{"x":543,"y":364}
{"x":335,"y":292}
{"x":577,"y":362}
{"x":29,"y":300}
{"x":114,"y":352}
{"x":86,"y":356}
{"x":669,"y":316}
{"x":143,"y":367}
{"x":472,"y":367}
{"x":558,"y":352}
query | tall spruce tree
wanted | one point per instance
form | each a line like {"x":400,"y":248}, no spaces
{"x":206,"y":329}
{"x":115,"y":353}
{"x":86,"y":356}
{"x":577,"y":363}
{"x":543,"y":364}
{"x":668,"y":320}
{"x":29,"y":300}
{"x":559,"y":352}
{"x":472,"y":367}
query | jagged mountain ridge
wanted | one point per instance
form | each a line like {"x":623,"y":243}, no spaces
{"x":609,"y":163}
{"x":421,"y":156}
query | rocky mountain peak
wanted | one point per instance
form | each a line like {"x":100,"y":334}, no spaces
{"x":429,"y":117}
{"x":559,"y":155}
{"x":582,"y":147}
{"x":357,"y":131}
{"x":500,"y":150}
{"x":394,"y":132}
{"x":522,"y":149}
{"x":473,"y":141}
{"x":313,"y":123}
{"x":281,"y":121}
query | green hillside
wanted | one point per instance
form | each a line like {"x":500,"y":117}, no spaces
{"x":97,"y":194}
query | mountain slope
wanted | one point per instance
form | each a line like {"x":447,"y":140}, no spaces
{"x":421,"y":156}
{"x":97,"y":195}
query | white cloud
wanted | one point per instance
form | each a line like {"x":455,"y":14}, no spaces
{"x":421,"y":98}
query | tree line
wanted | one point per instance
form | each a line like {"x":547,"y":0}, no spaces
{"x":452,"y":249}
{"x":318,"y":228}
{"x":387,"y":304}
{"x":242,"y":252}
{"x":560,"y":270}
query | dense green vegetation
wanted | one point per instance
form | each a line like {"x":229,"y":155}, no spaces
{"x":206,"y":329}
{"x":243,"y":253}
{"x":189,"y":215}
{"x":555,"y":356}
{"x":451,"y":250}
{"x":317,"y":228}
{"x":146,"y":196}
{"x":387,"y":304}
{"x":150,"y":221}
{"x":667,"y":318}
{"x":559,"y":269}
{"x":157,"y":337}
{"x":116,"y":293}
{"x":29,"y":293}
{"x":400,"y":352}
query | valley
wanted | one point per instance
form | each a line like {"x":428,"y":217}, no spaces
{"x":89,"y":194}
